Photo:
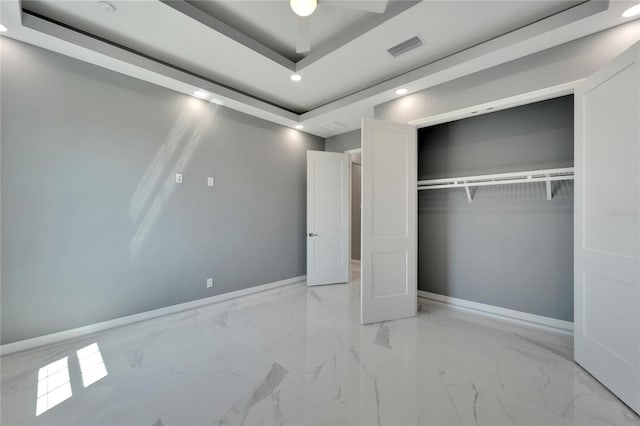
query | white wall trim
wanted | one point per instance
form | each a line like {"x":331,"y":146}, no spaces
{"x":499,"y":104}
{"x":74,"y":333}
{"x":523,"y":318}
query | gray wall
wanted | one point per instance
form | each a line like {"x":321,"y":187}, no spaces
{"x":93,"y":225}
{"x":356,"y":203}
{"x":510,"y":247}
{"x":529,"y":137}
{"x":343,"y":142}
{"x":565,"y":63}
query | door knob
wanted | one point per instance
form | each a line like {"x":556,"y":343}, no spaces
{"x":311,"y":234}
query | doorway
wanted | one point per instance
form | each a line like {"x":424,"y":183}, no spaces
{"x":355,"y":175}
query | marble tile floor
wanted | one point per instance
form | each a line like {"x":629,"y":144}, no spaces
{"x":298,"y":356}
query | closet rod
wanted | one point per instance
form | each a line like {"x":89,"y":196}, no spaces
{"x":466,"y":182}
{"x":495,"y":182}
{"x":567,"y":171}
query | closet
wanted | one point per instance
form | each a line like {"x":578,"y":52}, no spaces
{"x":606,"y":221}
{"x":495,"y":210}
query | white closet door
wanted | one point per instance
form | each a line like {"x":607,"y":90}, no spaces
{"x":607,"y":226}
{"x":389,"y":232}
{"x":327,"y":218}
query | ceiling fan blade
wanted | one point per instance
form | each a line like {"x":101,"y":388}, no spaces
{"x":303,"y":41}
{"x":375,"y":6}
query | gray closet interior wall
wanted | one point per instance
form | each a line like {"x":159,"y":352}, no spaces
{"x":510,"y":247}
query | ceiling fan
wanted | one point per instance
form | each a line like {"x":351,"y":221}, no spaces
{"x":304,"y":9}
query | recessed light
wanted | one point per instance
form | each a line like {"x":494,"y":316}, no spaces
{"x":3,"y":29}
{"x":217,"y":101}
{"x":299,"y":126}
{"x":200,"y":94}
{"x":632,"y":11}
{"x":402,"y":91}
{"x":295,"y":77}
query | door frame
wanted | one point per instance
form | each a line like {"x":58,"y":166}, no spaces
{"x":349,"y":152}
{"x":546,"y":93}
{"x":526,"y":98}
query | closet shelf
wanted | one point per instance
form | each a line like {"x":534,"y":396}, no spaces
{"x":467,"y":182}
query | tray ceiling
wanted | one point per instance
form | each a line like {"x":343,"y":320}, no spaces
{"x":242,"y":52}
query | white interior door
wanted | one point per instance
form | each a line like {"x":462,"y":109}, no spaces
{"x":389,"y":232}
{"x":327,"y":218}
{"x":607,"y":226}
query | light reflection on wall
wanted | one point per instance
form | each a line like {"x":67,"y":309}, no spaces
{"x":91,"y":364}
{"x":54,"y":385}
{"x":294,"y":138}
{"x":406,"y":103}
{"x":158,"y":182}
{"x":155,"y":171}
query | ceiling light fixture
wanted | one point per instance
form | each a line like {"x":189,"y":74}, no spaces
{"x":402,"y":91}
{"x":200,"y":94}
{"x":295,"y":77}
{"x":632,"y":11}
{"x":299,"y":126}
{"x":303,"y":7}
{"x":3,"y":29}
{"x":217,"y":101}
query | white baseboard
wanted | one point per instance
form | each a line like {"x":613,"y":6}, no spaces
{"x":356,"y":261}
{"x":524,"y":318}
{"x":73,"y":333}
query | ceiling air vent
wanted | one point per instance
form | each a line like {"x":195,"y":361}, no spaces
{"x":332,"y":127}
{"x":405,"y":46}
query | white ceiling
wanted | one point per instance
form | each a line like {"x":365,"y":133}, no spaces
{"x":142,"y":26}
{"x":275,"y":24}
{"x":244,"y":52}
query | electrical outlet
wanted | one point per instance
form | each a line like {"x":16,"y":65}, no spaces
{"x":210,"y":181}
{"x":209,"y":282}
{"x":178,"y":177}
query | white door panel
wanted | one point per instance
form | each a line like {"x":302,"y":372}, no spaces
{"x":389,"y":233}
{"x":327,"y":218}
{"x":607,"y":226}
